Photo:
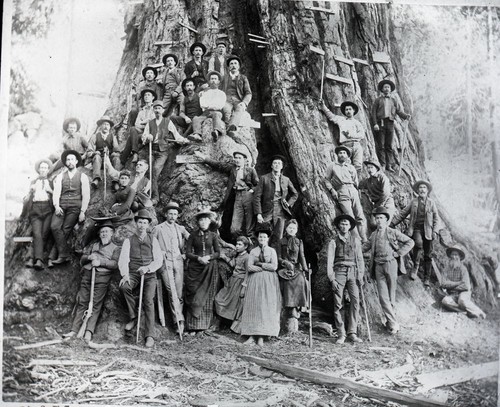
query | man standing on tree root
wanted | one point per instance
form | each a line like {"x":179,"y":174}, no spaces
{"x":103,"y":257}
{"x":172,"y":79}
{"x":100,"y":143}
{"x":387,"y":247}
{"x":345,"y":267}
{"x":456,"y":282}
{"x":172,"y":238}
{"x":351,"y":131}
{"x":384,"y":112}
{"x":274,"y":197}
{"x":139,"y":259}
{"x":423,"y":227}
{"x":342,"y":181}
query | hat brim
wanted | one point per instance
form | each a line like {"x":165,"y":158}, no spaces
{"x":168,"y":207}
{"x":43,"y":160}
{"x":452,"y":249}
{"x":418,"y":183}
{"x":209,"y":74}
{"x":339,"y":218}
{"x":207,"y":214}
{"x":352,"y":104}
{"x":387,"y":214}
{"x":136,"y":218}
{"x":343,"y":148}
{"x":149,"y":68}
{"x":155,"y":96}
{"x":233,"y":58}
{"x":65,"y":154}
{"x":101,"y":121}
{"x":164,"y":59}
{"x":368,"y":162}
{"x":388,"y":82}
{"x":72,"y":120}
{"x":198,"y":44}
{"x":240,"y":153}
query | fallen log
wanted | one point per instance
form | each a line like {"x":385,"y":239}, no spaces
{"x":325,"y":379}
{"x":55,"y":362}
{"x":458,"y":375}
{"x":38,"y":344}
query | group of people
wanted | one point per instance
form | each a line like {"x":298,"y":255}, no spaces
{"x":269,"y":268}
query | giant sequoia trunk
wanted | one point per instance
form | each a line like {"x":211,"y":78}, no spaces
{"x":285,"y":78}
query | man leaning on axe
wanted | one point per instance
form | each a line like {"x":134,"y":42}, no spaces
{"x":99,"y":261}
{"x":139,"y":259}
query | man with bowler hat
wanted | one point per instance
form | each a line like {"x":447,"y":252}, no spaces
{"x":171,"y":81}
{"x":71,"y":199}
{"x":351,"y":130}
{"x":384,"y":111}
{"x":140,"y":258}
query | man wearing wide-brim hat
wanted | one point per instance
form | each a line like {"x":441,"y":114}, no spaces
{"x":387,"y":247}
{"x":218,"y":60}
{"x":351,"y":130}
{"x":100,"y":143}
{"x":140,"y":257}
{"x":341,"y":179}
{"x":188,"y":109}
{"x":102,"y":256}
{"x":149,"y":81}
{"x":240,"y":187}
{"x":171,"y":81}
{"x":455,"y":281}
{"x":238,"y":93}
{"x":71,"y":199}
{"x":377,"y":186}
{"x":423,"y":228}
{"x":212,"y":100}
{"x":384,"y":111}
{"x":172,"y":238}
{"x":197,"y":67}
{"x":274,"y":197}
{"x":345,"y":268}
{"x":38,"y":207}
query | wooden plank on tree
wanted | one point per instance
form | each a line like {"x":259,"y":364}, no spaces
{"x":269,"y":115}
{"x":257,"y":36}
{"x":55,"y":362}
{"x":338,"y":79}
{"x":325,"y":379}
{"x":344,"y":60}
{"x":324,"y":10}
{"x":187,"y":159}
{"x":258,"y":41}
{"x":23,"y":239}
{"x":160,"y":43}
{"x":156,"y":66}
{"x":316,"y":50}
{"x":38,"y":344}
{"x":188,"y":27}
{"x":458,"y":375}
{"x":381,"y":57}
{"x":361,"y":61}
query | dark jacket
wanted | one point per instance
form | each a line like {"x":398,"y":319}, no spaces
{"x":190,"y":67}
{"x":242,"y":87}
{"x":264,"y":194}
{"x":163,"y":132}
{"x":378,"y":109}
{"x":431,"y":222}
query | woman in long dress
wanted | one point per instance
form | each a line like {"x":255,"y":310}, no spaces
{"x":201,"y":280}
{"x":292,"y":266}
{"x":262,"y":303}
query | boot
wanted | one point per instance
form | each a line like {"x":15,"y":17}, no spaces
{"x":427,"y":272}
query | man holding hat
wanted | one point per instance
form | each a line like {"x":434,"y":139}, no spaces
{"x":171,"y":82}
{"x":387,"y":247}
{"x":100,"y":143}
{"x":341,"y":180}
{"x":238,"y":93}
{"x":274,"y":196}
{"x":378,"y":187}
{"x":71,"y":199}
{"x":197,"y":67}
{"x":423,"y":227}
{"x":146,"y":114}
{"x":212,"y":100}
{"x":241,"y":184}
{"x":455,"y":280}
{"x":39,"y":209}
{"x":219,"y":58}
{"x":140,"y":256}
{"x":384,"y":111}
{"x":345,"y":267}
{"x":172,"y":238}
{"x":189,"y":108}
{"x":102,"y":256}
{"x":149,"y":82}
{"x":351,"y":130}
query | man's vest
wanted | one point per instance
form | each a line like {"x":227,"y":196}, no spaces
{"x":141,"y":253}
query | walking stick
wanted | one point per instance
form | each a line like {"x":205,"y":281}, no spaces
{"x":310,"y":309}
{"x":141,"y":289}
{"x":104,"y":174}
{"x":88,"y":313}
{"x":151,"y":167}
{"x":403,"y":148}
{"x":363,"y":303}
{"x":159,"y":297}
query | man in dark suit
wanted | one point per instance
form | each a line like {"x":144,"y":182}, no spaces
{"x":238,"y":92}
{"x":241,"y":184}
{"x":274,"y":197}
{"x":197,"y":67}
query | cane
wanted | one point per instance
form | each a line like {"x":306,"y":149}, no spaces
{"x":310,"y":309}
{"x":141,"y":289}
{"x":105,"y":155}
{"x":151,"y":167}
{"x":363,"y":303}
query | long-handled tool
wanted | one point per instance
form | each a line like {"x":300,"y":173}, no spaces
{"x":403,"y":147}
{"x":159,"y":297}
{"x":104,"y":174}
{"x":175,"y":297}
{"x":151,"y":167}
{"x":141,"y":289}
{"x":88,"y":313}
{"x":363,"y":303}
{"x":310,"y":308}
{"x":319,"y":51}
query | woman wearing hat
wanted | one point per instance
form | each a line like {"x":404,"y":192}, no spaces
{"x":384,"y":111}
{"x":171,"y":81}
{"x":201,"y":280}
{"x":197,"y":67}
{"x":351,"y":130}
{"x":456,"y":283}
{"x":39,"y":209}
{"x":262,"y":304}
{"x":293,"y":266}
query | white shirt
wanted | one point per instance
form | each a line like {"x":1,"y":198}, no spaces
{"x":85,"y":189}
{"x":212,"y":99}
